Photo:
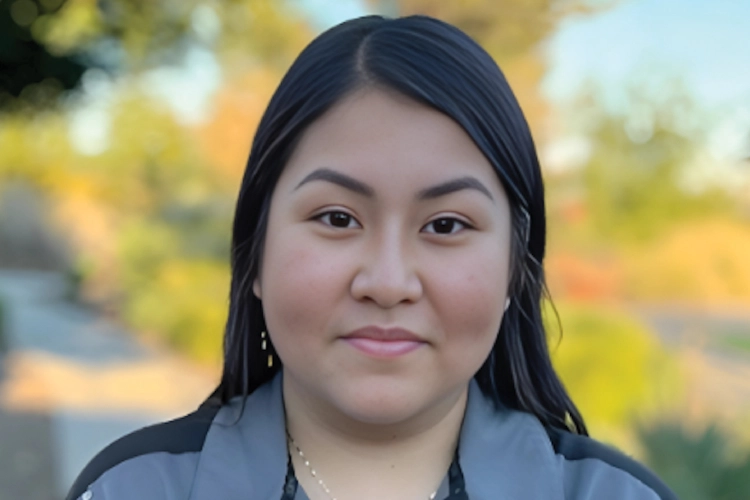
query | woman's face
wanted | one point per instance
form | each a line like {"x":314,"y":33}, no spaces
{"x":386,"y":261}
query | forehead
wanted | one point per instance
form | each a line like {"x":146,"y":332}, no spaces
{"x":380,"y":135}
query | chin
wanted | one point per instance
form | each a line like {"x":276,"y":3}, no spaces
{"x":379,"y":415}
{"x":381,"y":404}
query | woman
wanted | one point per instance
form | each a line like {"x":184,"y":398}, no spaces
{"x":384,"y":338}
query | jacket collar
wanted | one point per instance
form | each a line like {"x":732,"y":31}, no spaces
{"x":245,"y":453}
{"x":503,"y":454}
{"x":506,"y":454}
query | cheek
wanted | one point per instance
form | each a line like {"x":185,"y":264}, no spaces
{"x":299,"y":287}
{"x":472,"y":295}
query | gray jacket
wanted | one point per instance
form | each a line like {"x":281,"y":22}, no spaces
{"x":223,"y":453}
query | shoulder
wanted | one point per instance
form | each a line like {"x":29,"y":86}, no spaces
{"x":594,"y":470}
{"x":150,"y":455}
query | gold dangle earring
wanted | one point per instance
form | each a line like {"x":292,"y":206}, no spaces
{"x":264,"y":346}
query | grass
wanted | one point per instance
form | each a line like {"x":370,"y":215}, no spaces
{"x":735,"y":342}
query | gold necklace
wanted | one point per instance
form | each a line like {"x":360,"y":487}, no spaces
{"x":319,"y":479}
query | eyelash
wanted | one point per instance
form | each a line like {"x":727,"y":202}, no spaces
{"x":327,"y":215}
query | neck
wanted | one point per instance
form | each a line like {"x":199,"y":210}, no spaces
{"x":405,"y":459}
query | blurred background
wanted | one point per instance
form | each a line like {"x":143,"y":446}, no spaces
{"x":124,"y":129}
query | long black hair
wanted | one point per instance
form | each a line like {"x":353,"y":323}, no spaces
{"x":438,"y":65}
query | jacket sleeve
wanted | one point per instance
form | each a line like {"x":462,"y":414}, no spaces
{"x":592,"y":479}
{"x":161,"y":476}
{"x":592,"y":470}
{"x":155,"y":462}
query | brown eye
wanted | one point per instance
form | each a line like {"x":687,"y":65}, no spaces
{"x":340,"y":220}
{"x":445,"y":225}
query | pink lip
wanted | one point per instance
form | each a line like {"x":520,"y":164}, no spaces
{"x":383,"y":342}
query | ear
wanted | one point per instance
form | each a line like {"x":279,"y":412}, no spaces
{"x":256,"y":288}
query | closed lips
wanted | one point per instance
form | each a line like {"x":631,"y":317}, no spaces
{"x":384,"y":334}
{"x":385,"y":343}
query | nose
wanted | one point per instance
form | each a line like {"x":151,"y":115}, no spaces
{"x":387,"y":275}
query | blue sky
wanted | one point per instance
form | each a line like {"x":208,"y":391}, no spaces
{"x":703,"y":42}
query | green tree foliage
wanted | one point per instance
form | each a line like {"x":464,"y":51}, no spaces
{"x":614,"y":368}
{"x":648,"y":206}
{"x":635,"y":184}
{"x":47,"y":45}
{"x":698,"y":466}
{"x":148,"y":32}
{"x":149,"y":215}
{"x":144,"y":33}
{"x":173,"y":226}
{"x":638,"y":180}
{"x":184,"y":304}
{"x":28,"y":69}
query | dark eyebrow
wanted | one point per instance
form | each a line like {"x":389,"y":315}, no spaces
{"x":452,"y":186}
{"x":343,"y":180}
{"x":436,"y":191}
